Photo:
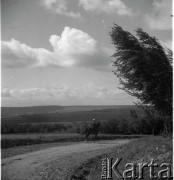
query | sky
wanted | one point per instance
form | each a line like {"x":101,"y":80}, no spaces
{"x":59,"y":52}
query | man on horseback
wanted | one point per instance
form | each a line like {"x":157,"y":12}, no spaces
{"x":92,"y":128}
{"x":93,"y":123}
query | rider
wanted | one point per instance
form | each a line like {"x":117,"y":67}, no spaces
{"x":93,"y":124}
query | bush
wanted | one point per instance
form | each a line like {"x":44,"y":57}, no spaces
{"x":146,"y":124}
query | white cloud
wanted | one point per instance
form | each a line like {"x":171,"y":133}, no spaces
{"x":97,"y":6}
{"x":60,"y":7}
{"x":73,"y":41}
{"x":89,"y":94}
{"x":160,"y":17}
{"x":16,"y":54}
{"x":5,"y":93}
{"x":69,"y":49}
{"x":106,"y":6}
{"x":93,"y":91}
{"x":63,"y":92}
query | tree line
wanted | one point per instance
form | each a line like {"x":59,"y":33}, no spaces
{"x":147,"y":124}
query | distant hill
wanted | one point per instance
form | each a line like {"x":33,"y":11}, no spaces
{"x":57,"y":114}
{"x":15,"y":111}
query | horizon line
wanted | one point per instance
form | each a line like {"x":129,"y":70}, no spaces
{"x":64,"y":105}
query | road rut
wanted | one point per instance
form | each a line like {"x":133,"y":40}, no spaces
{"x":53,"y":163}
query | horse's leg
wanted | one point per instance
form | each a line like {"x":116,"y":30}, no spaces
{"x":87,"y":134}
{"x":85,"y":139}
{"x":96,"y":133}
{"x":94,"y":137}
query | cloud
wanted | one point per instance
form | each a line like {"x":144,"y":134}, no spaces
{"x":34,"y":92}
{"x":38,"y":93}
{"x":98,"y":6}
{"x":93,"y":91}
{"x":15,"y":54}
{"x":72,"y":47}
{"x":160,"y":18}
{"x":5,"y":93}
{"x":106,"y":6}
{"x":60,"y":7}
{"x":64,"y":92}
{"x":73,"y":41}
{"x":88,"y":94}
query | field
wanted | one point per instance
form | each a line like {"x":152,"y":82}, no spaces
{"x":59,"y":119}
{"x":14,"y":144}
{"x":55,"y":114}
{"x":27,"y":125}
{"x":42,"y":142}
{"x":47,"y":124}
{"x":13,"y":140}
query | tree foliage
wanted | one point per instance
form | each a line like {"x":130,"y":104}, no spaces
{"x":144,"y":68}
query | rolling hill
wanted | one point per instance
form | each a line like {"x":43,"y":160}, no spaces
{"x":50,"y":114}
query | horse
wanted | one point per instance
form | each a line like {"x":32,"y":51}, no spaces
{"x":91,"y":129}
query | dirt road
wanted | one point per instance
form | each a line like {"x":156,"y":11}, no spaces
{"x":53,"y":163}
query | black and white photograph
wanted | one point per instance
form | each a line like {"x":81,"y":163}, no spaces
{"x":86,"y":89}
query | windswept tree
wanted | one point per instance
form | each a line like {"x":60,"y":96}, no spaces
{"x":144,"y":69}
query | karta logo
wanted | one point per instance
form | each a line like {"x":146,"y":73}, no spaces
{"x":111,"y":170}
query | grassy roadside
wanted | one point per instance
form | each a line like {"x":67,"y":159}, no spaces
{"x":13,"y":140}
{"x":17,"y":150}
{"x":137,"y":151}
{"x":24,"y":143}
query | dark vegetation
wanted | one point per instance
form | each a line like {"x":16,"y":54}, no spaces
{"x":144,"y":69}
{"x":70,"y":122}
{"x":113,"y":121}
{"x":146,"y":124}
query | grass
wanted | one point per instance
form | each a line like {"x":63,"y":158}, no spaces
{"x":17,"y":150}
{"x":15,"y":144}
{"x":12,"y":140}
{"x":142,"y":150}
